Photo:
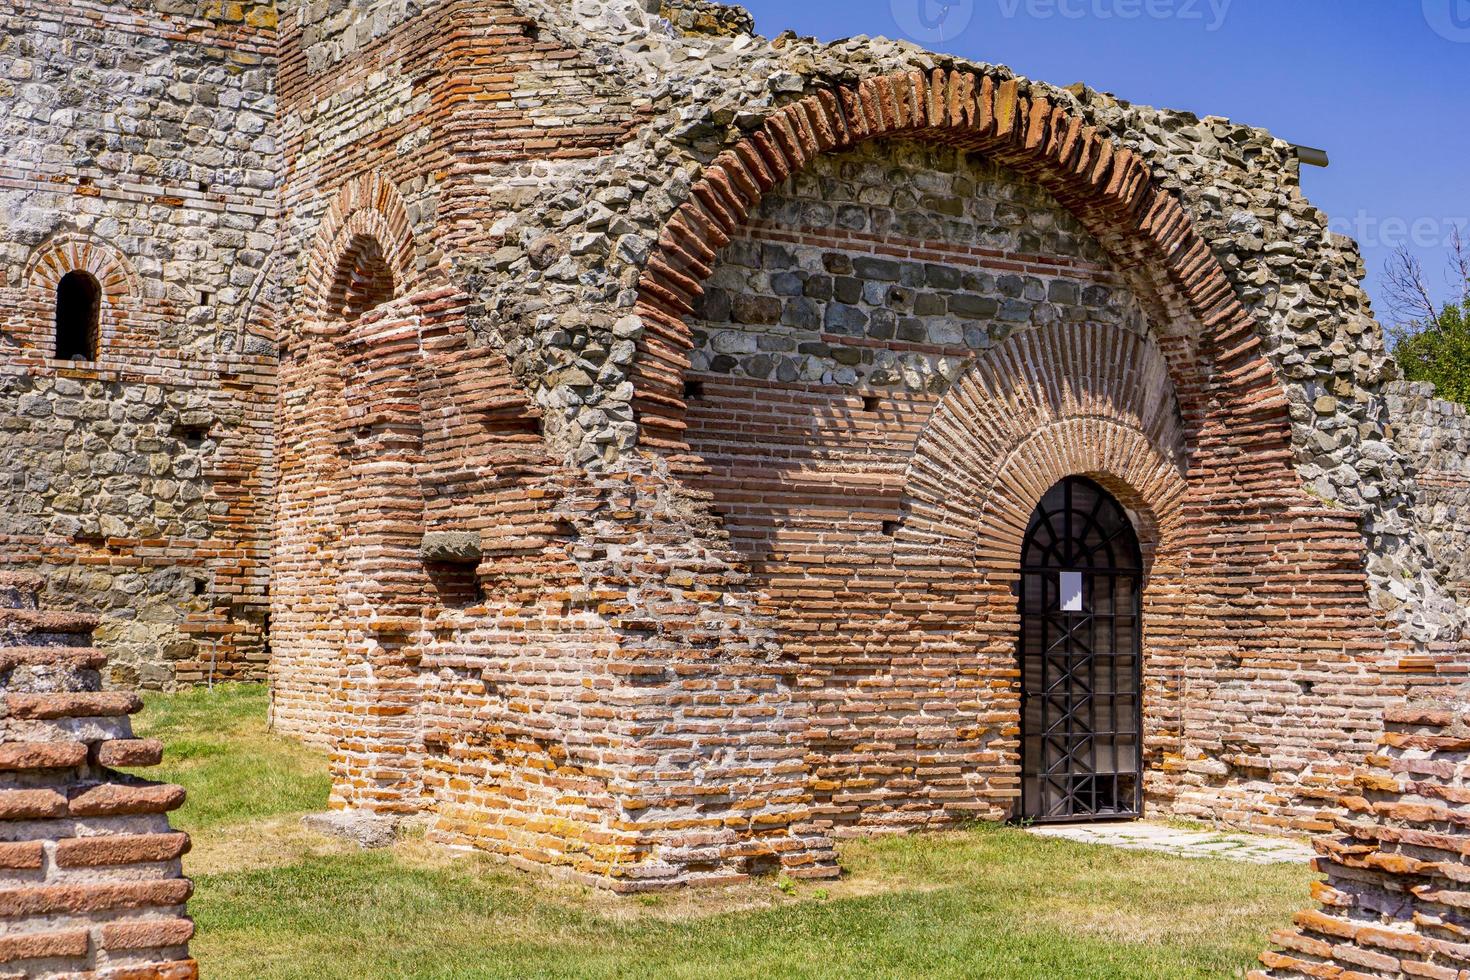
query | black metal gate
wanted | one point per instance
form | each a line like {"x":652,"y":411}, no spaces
{"x":1081,"y":677}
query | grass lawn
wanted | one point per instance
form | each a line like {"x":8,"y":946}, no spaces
{"x":274,"y":900}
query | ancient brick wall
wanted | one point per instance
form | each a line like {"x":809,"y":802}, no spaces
{"x":138,"y":148}
{"x":1434,"y":435}
{"x":1394,"y":900}
{"x":413,"y":131}
{"x":887,"y":333}
{"x":657,"y":439}
{"x":446,"y":607}
{"x":658,"y":411}
{"x":90,"y":877}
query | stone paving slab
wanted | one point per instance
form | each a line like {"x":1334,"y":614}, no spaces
{"x":1146,"y":836}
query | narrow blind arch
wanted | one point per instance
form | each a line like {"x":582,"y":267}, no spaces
{"x":362,"y":280}
{"x":78,"y":316}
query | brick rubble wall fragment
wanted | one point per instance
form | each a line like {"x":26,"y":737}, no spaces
{"x":91,"y":883}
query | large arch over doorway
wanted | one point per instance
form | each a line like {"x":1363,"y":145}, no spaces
{"x":1216,"y":357}
{"x":1226,"y":506}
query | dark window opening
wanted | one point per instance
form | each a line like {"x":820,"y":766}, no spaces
{"x":693,"y":390}
{"x":363,"y":279}
{"x":78,"y":316}
{"x":205,"y":297}
{"x":456,"y":583}
{"x":193,"y":436}
{"x":200,"y":586}
{"x":890,"y":528}
{"x":871,"y":403}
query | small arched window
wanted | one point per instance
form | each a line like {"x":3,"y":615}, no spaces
{"x":78,"y":316}
{"x":363,"y":279}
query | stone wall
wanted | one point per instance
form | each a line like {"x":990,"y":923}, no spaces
{"x":90,"y":876}
{"x":1434,"y":435}
{"x":892,"y":266}
{"x":1394,"y":900}
{"x":137,"y":145}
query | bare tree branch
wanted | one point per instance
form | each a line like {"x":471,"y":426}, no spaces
{"x":1408,"y":294}
{"x":1460,"y":264}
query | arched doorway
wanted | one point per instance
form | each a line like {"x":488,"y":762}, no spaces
{"x":1079,"y":653}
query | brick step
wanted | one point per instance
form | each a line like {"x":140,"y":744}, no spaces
{"x":91,"y":800}
{"x":20,"y":590}
{"x":17,"y":756}
{"x":86,"y":704}
{"x":40,"y":627}
{"x":73,"y":658}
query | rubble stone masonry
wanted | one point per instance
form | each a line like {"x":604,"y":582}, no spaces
{"x":138,"y":147}
{"x":632,"y":422}
{"x":1434,"y":435}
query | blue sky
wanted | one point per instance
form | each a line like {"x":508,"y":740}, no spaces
{"x":1380,"y":84}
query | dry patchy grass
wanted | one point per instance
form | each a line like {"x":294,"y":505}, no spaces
{"x":277,"y":901}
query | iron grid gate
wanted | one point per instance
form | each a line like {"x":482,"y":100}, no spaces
{"x":1080,"y":658}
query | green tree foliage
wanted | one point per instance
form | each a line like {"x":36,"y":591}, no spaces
{"x":1432,"y":342}
{"x":1437,"y":350}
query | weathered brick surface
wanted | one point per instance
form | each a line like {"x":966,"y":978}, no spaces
{"x":90,"y":875}
{"x":1395,"y":899}
{"x":655,"y":411}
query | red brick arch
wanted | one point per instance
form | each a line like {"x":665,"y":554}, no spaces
{"x":81,"y":253}
{"x":368,"y":216}
{"x":1057,"y":401}
{"x":1107,"y":186}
